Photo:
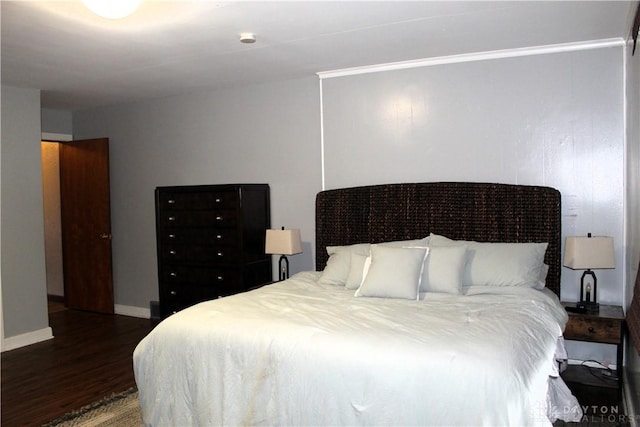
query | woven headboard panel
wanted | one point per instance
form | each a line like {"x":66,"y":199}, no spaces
{"x":458,"y":210}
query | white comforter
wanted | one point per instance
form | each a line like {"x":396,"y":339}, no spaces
{"x":300,"y":353}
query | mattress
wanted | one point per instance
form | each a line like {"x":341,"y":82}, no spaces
{"x":299,"y":352}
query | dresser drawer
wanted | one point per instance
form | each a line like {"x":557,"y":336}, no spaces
{"x":217,"y":218}
{"x":211,"y":237}
{"x":196,"y":275}
{"x":170,"y":201}
{"x":178,"y":297}
{"x":181,"y":295}
{"x":602,"y":330}
{"x":196,"y":254}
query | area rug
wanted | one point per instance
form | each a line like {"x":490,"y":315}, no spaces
{"x":117,"y":410}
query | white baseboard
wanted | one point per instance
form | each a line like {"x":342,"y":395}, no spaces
{"x":29,"y":338}
{"x":129,"y":310}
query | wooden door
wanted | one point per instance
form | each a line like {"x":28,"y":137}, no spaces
{"x":86,"y":225}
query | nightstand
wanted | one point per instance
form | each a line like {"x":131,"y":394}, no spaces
{"x":606,"y":327}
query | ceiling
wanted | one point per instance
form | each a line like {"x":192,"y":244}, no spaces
{"x":165,"y":48}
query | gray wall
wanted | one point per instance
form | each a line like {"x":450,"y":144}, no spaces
{"x":554,"y":119}
{"x":24,"y":296}
{"x":633,"y":197}
{"x":57,"y":121}
{"x":487,"y":120}
{"x":265,"y":133}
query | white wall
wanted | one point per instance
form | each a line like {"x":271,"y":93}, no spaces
{"x":256,"y":134}
{"x":24,"y":295}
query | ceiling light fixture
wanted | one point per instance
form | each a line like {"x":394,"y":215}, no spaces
{"x":247,"y":38}
{"x":112,"y":9}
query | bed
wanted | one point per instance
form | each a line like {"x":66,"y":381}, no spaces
{"x":431,"y":304}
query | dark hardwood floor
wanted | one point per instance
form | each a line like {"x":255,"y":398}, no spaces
{"x":89,"y":358}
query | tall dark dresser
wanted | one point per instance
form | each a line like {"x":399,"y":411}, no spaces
{"x":210,"y":241}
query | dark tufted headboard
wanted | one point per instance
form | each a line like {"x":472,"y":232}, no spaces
{"x":458,"y":210}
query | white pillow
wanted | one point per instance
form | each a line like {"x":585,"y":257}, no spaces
{"x":499,"y":264}
{"x":542,"y":280}
{"x":444,"y":269}
{"x":338,"y":269}
{"x":419,"y":243}
{"x":356,"y":271}
{"x":393,"y":273}
{"x":339,"y":262}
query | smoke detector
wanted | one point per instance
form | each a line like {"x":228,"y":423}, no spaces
{"x":247,"y":38}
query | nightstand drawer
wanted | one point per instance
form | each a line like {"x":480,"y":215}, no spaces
{"x":600,"y":330}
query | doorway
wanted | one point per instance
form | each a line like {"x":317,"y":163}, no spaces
{"x":52,"y":224}
{"x":77,"y":224}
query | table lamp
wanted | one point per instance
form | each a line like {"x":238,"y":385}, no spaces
{"x":283,"y":242}
{"x":589,"y":253}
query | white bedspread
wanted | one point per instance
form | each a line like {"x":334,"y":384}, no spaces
{"x":300,"y":353}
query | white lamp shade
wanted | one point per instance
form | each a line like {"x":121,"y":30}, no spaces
{"x":283,"y":242}
{"x":582,"y":253}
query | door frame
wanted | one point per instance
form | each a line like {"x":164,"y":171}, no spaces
{"x":63,"y":139}
{"x":54,"y":138}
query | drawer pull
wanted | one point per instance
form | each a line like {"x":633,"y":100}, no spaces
{"x":220,"y":254}
{"x":220,"y":278}
{"x":173,"y":293}
{"x":173,"y":274}
{"x":219,"y":218}
{"x":172,"y":218}
{"x":218,"y":236}
{"x":172,"y":236}
{"x":171,"y":201}
{"x":172,"y":252}
{"x":591,"y":330}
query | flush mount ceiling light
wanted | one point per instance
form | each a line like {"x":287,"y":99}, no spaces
{"x":112,"y":9}
{"x":247,"y":38}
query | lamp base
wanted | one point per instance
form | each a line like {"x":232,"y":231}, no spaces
{"x":588,"y":307}
{"x":284,"y":268}
{"x":586,"y":303}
